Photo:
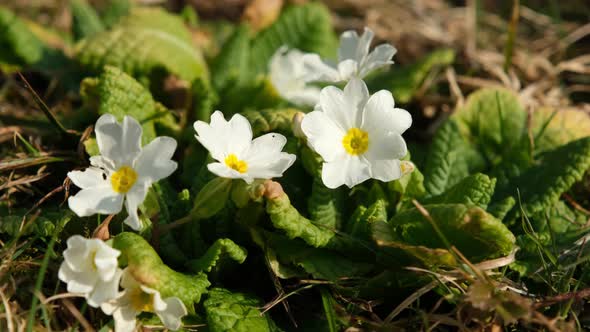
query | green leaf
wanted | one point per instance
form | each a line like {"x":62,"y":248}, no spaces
{"x":227,"y":311}
{"x":286,"y":217}
{"x":541,"y":185}
{"x":144,"y":44}
{"x":146,"y":267}
{"x":405,"y":81}
{"x":360,"y":224}
{"x":307,"y":27}
{"x":212,"y":198}
{"x":204,"y":100}
{"x":552,"y":128}
{"x":20,"y":47}
{"x":450,"y":159}
{"x":85,"y":20}
{"x":494,"y":122}
{"x":476,"y":233}
{"x":232,"y":63}
{"x":475,"y":189}
{"x":320,"y":263}
{"x":271,"y":120}
{"x":115,"y":10}
{"x":325,"y":204}
{"x":220,"y":249}
{"x":119,"y":94}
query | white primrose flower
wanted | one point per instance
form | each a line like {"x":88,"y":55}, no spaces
{"x":90,"y":268}
{"x":124,"y":171}
{"x":137,"y":298}
{"x":240,"y":157}
{"x":287,"y":75}
{"x":357,"y":135}
{"x":354,"y":59}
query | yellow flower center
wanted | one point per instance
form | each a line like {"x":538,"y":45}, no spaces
{"x":233,"y":162}
{"x":356,"y":141}
{"x":141,"y":301}
{"x":123,"y":179}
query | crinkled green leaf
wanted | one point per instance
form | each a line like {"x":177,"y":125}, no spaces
{"x":359,"y":225}
{"x":114,"y":11}
{"x":204,"y":99}
{"x":494,"y":122}
{"x":320,"y":263}
{"x":286,"y":217}
{"x":307,"y":27}
{"x":232,"y":63}
{"x":552,"y":128}
{"x":501,"y":208}
{"x":271,"y":120}
{"x":220,"y":249}
{"x":144,"y":44}
{"x":476,"y":189}
{"x":325,"y":205}
{"x":541,"y":185}
{"x":119,"y":94}
{"x":20,"y":47}
{"x":404,"y":82}
{"x":146,"y":267}
{"x":85,"y":20}
{"x":227,"y":311}
{"x":476,"y":233}
{"x":450,"y":159}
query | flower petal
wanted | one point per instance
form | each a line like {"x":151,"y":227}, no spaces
{"x":125,"y":319}
{"x":348,"y":44}
{"x":347,"y":69}
{"x":223,"y":171}
{"x":356,"y":94}
{"x":109,"y":136}
{"x":90,"y":177}
{"x":106,"y":262}
{"x":240,"y":134}
{"x":76,"y":254}
{"x":307,"y":96}
{"x":134,"y":197}
{"x":154,"y":162}
{"x":364,"y":44}
{"x":379,"y":57}
{"x":213,"y":136}
{"x":336,"y":106}
{"x":323,"y":135}
{"x":105,"y":290}
{"x":386,"y":170}
{"x":171,"y":316}
{"x":78,"y":282}
{"x":274,"y":168}
{"x":95,"y":200}
{"x":380,"y":114}
{"x":350,"y":170}
{"x":265,"y":147}
{"x":385,"y":146}
{"x":316,"y":70}
{"x":131,"y":143}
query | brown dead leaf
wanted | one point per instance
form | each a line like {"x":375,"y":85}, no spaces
{"x":262,"y":13}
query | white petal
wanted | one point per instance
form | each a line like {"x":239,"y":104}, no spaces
{"x":307,"y":96}
{"x":125,"y":319}
{"x":76,"y":255}
{"x":385,"y":146}
{"x":347,"y":69}
{"x":386,"y":170}
{"x":131,"y":144}
{"x":106,"y":262}
{"x":171,"y":317}
{"x":91,"y":201}
{"x":90,"y":177}
{"x":105,"y":290}
{"x":154,"y":163}
{"x":317,"y":70}
{"x":134,"y":197}
{"x":350,"y":170}
{"x":78,"y":282}
{"x":109,"y":136}
{"x":157,"y":302}
{"x":103,"y":163}
{"x":211,"y":136}
{"x":223,"y":171}
{"x":335,"y":105}
{"x":381,"y":56}
{"x":265,"y":147}
{"x":363,"y":44}
{"x":356,"y":94}
{"x":380,"y":114}
{"x":127,"y":280}
{"x":323,"y":135}
{"x":240,"y":134}
{"x":348,"y":44}
{"x":274,"y":168}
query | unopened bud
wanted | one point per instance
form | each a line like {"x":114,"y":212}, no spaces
{"x":406,"y":167}
{"x":296,"y":125}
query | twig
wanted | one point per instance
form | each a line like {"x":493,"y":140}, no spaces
{"x":584,"y":293}
{"x":77,"y":314}
{"x":9,"y":322}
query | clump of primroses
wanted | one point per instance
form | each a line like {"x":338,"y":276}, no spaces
{"x":357,"y":134}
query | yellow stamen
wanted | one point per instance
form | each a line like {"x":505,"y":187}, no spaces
{"x":141,"y":301}
{"x":233,"y":162}
{"x":356,"y":141}
{"x":123,"y":179}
